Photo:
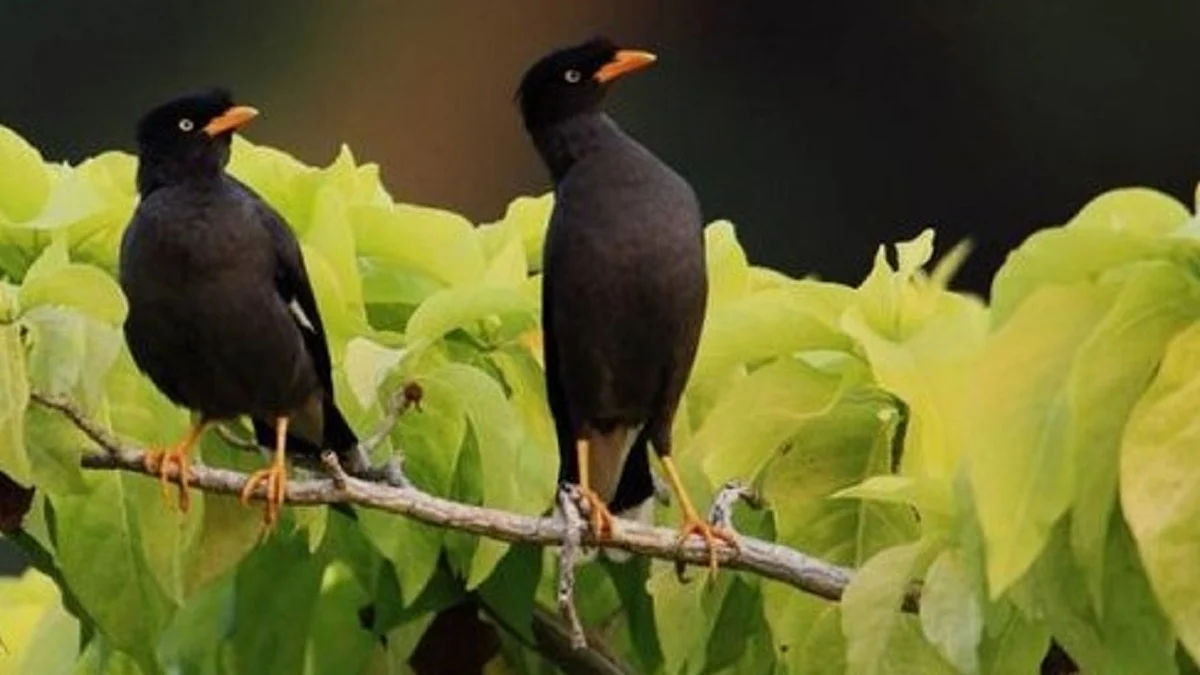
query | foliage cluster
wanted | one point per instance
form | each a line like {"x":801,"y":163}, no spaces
{"x":1031,"y":461}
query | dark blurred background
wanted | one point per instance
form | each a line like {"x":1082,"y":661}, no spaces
{"x":820,"y":128}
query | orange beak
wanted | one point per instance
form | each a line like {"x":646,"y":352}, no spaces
{"x":235,"y":118}
{"x":625,"y":61}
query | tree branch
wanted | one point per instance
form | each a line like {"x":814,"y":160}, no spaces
{"x":766,"y":559}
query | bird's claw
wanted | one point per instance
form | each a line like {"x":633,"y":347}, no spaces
{"x":600,"y":518}
{"x":275,"y":478}
{"x":160,"y":462}
{"x":710,"y":533}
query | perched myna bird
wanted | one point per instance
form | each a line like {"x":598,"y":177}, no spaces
{"x":221,"y":313}
{"x":624,"y":287}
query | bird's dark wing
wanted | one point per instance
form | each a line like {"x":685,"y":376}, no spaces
{"x":295,"y":290}
{"x":568,"y":468}
{"x":293,"y":287}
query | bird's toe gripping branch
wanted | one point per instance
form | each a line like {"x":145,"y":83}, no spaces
{"x":179,"y":457}
{"x":275,"y":478}
{"x":693,"y":524}
{"x":600,"y":519}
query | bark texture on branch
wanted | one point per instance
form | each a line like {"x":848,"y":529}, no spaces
{"x":766,"y":559}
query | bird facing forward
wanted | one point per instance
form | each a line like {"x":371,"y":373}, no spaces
{"x":222,"y":317}
{"x":624,"y":286}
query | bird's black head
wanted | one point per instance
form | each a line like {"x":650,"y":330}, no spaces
{"x":573,"y":81}
{"x":188,"y":136}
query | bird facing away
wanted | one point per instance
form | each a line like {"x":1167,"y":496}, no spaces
{"x":624,"y":287}
{"x":222,"y":317}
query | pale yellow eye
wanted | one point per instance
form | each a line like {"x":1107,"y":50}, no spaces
{"x":186,"y":125}
{"x":573,"y":76}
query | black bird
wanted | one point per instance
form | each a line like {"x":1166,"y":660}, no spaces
{"x":624,"y":286}
{"x":222,"y":317}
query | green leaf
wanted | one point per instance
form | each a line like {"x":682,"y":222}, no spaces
{"x":1022,"y":474}
{"x":524,"y":380}
{"x":1130,"y":636}
{"x":1160,"y":449}
{"x":96,"y":238}
{"x":497,"y":432}
{"x":73,"y":201}
{"x":929,"y":369}
{"x":277,"y":587}
{"x":367,"y":365}
{"x":951,"y":616}
{"x":484,"y":560}
{"x":433,"y":242}
{"x":895,"y":301}
{"x":70,"y":354}
{"x":26,"y":182}
{"x":58,"y":445}
{"x":359,"y":184}
{"x":14,"y":397}
{"x":329,"y":231}
{"x":413,"y":547}
{"x":761,"y":326}
{"x":728,"y":270}
{"x":197,"y":640}
{"x":1116,"y":228}
{"x":759,"y":414}
{"x":741,"y":607}
{"x":510,"y":590}
{"x":341,"y":317}
{"x":227,"y":531}
{"x":1111,"y":369}
{"x":136,"y":409}
{"x":108,"y":528}
{"x":879,"y":637}
{"x":837,"y":449}
{"x":101,"y":658}
{"x":931,"y":497}
{"x":52,"y":258}
{"x":529,"y":217}
{"x":1012,"y":643}
{"x":505,"y":251}
{"x":37,"y":634}
{"x":462,"y":307}
{"x":679,"y":613}
{"x":432,"y":438}
{"x":81,"y":287}
{"x":336,"y":642}
{"x":806,"y":631}
{"x":279,"y":178}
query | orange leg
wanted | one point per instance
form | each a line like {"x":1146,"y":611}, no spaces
{"x":275,"y":478}
{"x":693,"y":523}
{"x":602,"y":519}
{"x":161,"y":461}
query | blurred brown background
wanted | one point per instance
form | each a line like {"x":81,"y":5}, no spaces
{"x":820,"y":128}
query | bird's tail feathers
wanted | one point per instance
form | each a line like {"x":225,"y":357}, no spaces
{"x":608,"y":453}
{"x":314,"y":428}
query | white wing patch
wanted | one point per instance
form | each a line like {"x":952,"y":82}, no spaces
{"x":301,"y":317}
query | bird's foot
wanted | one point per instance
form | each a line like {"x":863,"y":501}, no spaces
{"x":599,"y":517}
{"x":161,"y":462}
{"x":275,"y":478}
{"x":692,"y":524}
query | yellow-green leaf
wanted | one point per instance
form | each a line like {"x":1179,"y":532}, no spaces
{"x":82,"y":287}
{"x":37,"y":635}
{"x":26,"y":181}
{"x":1022,"y":474}
{"x":1160,"y":452}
